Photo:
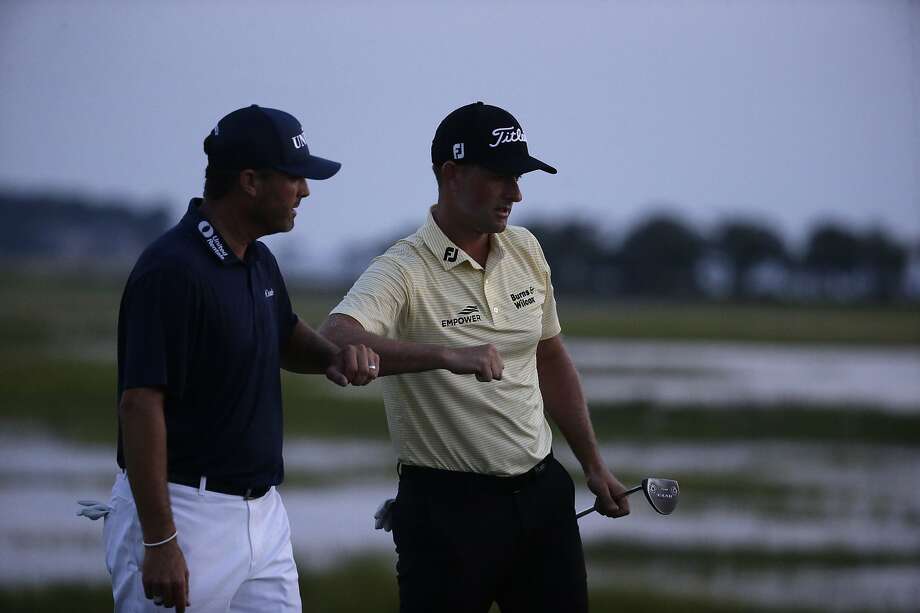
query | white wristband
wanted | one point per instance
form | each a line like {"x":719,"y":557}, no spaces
{"x":164,"y":541}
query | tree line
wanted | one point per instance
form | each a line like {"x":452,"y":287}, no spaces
{"x":663,"y":256}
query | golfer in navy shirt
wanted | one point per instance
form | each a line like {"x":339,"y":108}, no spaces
{"x":204,"y":328}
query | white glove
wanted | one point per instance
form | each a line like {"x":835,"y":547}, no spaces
{"x":384,"y":515}
{"x":94,"y":509}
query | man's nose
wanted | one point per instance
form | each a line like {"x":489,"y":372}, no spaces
{"x":513,"y":191}
{"x":302,"y":190}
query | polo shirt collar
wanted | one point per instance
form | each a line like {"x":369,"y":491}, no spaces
{"x":208,"y":234}
{"x":449,"y":254}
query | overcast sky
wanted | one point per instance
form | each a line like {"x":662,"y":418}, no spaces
{"x":785,"y":111}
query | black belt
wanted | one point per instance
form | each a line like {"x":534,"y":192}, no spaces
{"x":451,"y":480}
{"x":221,"y":486}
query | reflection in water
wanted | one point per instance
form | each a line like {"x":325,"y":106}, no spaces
{"x":733,"y":373}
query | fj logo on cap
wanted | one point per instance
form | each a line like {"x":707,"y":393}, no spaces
{"x":458,"y":151}
{"x":508,"y":135}
{"x":299,"y":141}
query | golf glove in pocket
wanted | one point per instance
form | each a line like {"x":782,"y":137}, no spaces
{"x":93,"y":509}
{"x":383,"y":518}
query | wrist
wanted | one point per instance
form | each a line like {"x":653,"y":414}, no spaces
{"x":161,"y":533}
{"x":443,"y":357}
{"x":594,"y":466}
{"x":169,"y":539}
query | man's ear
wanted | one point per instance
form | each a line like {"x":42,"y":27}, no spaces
{"x":450,"y":172}
{"x":249,"y":182}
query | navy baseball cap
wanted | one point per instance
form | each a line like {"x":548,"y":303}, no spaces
{"x":485,"y":135}
{"x":259,"y":137}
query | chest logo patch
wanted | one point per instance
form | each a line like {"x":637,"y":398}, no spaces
{"x":467,"y":315}
{"x":525,"y":298}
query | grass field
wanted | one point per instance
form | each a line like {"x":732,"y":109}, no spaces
{"x":334,"y":591}
{"x":82,"y":312}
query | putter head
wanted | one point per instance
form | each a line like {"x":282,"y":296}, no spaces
{"x":662,"y":494}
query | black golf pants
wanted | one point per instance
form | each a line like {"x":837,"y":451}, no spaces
{"x":465,"y":541}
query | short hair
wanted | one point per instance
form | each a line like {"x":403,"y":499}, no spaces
{"x":218,"y":182}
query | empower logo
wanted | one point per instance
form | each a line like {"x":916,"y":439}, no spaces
{"x":467,"y":315}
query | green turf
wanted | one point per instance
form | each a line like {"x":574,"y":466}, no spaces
{"x":740,"y":322}
{"x":785,"y":421}
{"x":365,"y":585}
{"x":48,"y":306}
{"x":707,"y":558}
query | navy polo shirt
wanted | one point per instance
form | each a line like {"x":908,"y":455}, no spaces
{"x":207,"y":328}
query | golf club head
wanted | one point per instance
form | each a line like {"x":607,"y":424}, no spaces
{"x":662,"y":494}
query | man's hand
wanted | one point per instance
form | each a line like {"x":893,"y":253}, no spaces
{"x":482,"y":361}
{"x":609,"y":491}
{"x":165,"y":576}
{"x":355,"y":364}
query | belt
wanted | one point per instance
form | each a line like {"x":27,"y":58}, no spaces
{"x":221,"y":486}
{"x":451,"y":480}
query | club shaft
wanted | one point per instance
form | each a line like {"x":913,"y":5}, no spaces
{"x":632,"y":490}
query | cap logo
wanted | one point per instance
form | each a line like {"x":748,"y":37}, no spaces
{"x":299,"y":141}
{"x":508,"y":135}
{"x":458,"y":151}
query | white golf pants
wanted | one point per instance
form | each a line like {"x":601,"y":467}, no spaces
{"x":238,"y":551}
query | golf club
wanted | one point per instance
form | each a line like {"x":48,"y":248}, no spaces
{"x":661,"y":494}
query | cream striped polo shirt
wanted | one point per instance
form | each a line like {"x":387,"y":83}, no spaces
{"x":425,"y":289}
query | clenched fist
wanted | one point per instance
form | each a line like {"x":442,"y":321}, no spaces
{"x":482,"y":361}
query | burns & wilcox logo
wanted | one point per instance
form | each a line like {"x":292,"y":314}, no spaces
{"x":525,"y":298}
{"x":467,"y":315}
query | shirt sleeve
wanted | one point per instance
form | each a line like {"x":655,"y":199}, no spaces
{"x":378,"y":298}
{"x":155,"y":324}
{"x":287,"y":318}
{"x":551,"y":325}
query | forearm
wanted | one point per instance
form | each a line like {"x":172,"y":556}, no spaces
{"x":143,"y":429}
{"x":307,"y":352}
{"x":396,"y":356}
{"x":564,"y":401}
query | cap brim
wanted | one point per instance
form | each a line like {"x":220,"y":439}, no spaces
{"x":313,"y":167}
{"x":519,"y":165}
